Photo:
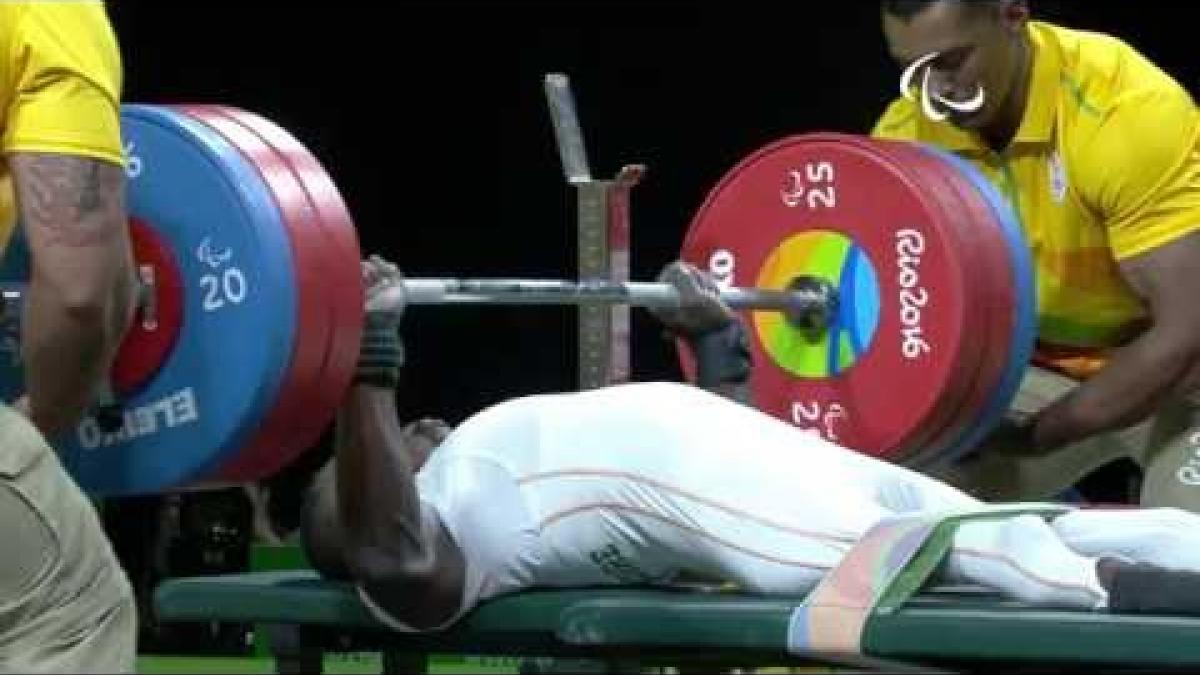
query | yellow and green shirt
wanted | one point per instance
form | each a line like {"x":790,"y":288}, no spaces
{"x":1104,"y":166}
{"x":60,"y":86}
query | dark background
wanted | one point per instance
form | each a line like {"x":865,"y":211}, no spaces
{"x":431,"y":118}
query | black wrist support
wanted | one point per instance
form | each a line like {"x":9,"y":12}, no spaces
{"x":722,"y":356}
{"x":381,"y":355}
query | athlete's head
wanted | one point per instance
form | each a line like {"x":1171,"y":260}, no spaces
{"x":980,"y":45}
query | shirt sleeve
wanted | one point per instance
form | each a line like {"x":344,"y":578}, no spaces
{"x":66,"y":84}
{"x":898,"y":122}
{"x":1140,"y":170}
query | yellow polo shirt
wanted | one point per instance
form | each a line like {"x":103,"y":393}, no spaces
{"x":1104,"y":166}
{"x":60,"y":86}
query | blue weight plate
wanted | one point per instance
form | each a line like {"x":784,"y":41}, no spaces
{"x":239,"y":311}
{"x":305,"y":404}
{"x":1024,"y":333}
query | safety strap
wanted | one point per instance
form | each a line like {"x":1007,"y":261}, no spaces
{"x":887,"y":566}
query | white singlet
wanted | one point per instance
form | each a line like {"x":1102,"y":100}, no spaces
{"x":635,"y":483}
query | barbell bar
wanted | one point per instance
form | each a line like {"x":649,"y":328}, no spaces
{"x":808,"y":302}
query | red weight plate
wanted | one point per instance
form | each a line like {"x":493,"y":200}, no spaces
{"x":342,"y":277}
{"x":993,"y":291}
{"x":963,"y":399}
{"x":890,"y":363}
{"x":222,"y":376}
{"x":1023,"y":309}
{"x":155,"y":327}
{"x":275,"y":443}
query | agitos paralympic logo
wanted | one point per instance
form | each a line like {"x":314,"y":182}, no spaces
{"x":928,"y":97}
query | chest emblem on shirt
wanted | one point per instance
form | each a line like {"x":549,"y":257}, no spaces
{"x":1058,"y":178}
{"x":615,"y":564}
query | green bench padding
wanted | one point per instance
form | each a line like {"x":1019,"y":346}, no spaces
{"x":277,"y":596}
{"x":940,"y":627}
{"x":983,"y":630}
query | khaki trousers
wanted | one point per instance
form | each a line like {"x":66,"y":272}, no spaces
{"x":66,"y":605}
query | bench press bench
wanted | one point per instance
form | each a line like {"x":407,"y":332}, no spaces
{"x":954,"y":628}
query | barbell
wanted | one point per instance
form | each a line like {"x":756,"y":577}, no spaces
{"x":807,"y":303}
{"x":887,"y":287}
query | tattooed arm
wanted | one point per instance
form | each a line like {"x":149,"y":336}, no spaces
{"x":80,"y":295}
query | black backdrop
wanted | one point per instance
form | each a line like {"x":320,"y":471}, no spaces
{"x":430,"y":117}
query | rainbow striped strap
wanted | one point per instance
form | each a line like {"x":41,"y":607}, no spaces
{"x":887,"y":566}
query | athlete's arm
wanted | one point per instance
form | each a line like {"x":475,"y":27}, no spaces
{"x":1163,"y":361}
{"x":397,"y":550}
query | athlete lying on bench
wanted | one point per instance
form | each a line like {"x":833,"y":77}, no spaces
{"x":640,"y":483}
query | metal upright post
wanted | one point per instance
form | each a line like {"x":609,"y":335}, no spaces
{"x":603,"y":235}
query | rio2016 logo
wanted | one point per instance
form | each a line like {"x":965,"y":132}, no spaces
{"x":928,"y":97}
